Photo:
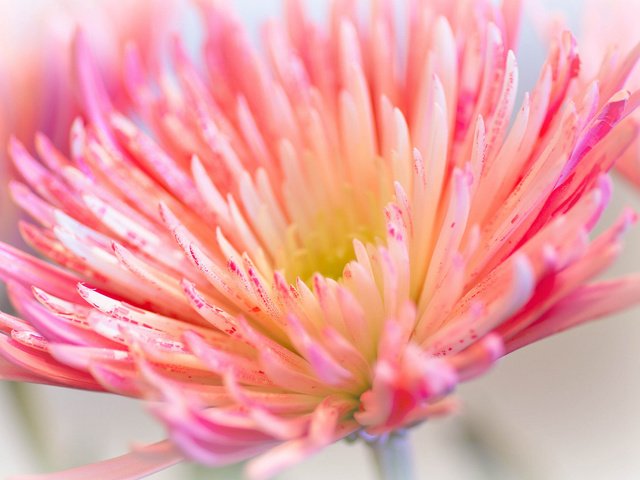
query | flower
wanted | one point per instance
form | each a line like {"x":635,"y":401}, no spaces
{"x":622,"y":41}
{"x":279,"y":251}
{"x":37,"y":45}
{"x":596,"y":22}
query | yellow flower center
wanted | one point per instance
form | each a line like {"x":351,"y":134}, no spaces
{"x":325,"y":244}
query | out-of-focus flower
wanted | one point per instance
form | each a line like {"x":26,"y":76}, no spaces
{"x":600,"y":20}
{"x":286,"y":249}
{"x":611,"y":20}
{"x":38,"y":94}
{"x":37,"y":90}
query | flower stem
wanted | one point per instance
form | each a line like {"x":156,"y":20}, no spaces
{"x":392,"y":456}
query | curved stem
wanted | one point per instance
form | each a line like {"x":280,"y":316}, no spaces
{"x":392,"y":456}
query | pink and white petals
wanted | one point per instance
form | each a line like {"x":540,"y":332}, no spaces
{"x":285,"y":249}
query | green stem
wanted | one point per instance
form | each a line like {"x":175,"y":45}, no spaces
{"x":392,"y":456}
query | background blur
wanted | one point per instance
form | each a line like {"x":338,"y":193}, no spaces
{"x":562,"y":409}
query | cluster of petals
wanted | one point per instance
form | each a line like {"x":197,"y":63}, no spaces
{"x":36,"y":90}
{"x":282,"y":247}
{"x":621,"y":40}
{"x":37,"y":93}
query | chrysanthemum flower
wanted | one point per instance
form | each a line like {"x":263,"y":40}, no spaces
{"x":622,"y":39}
{"x":279,"y":250}
{"x":37,"y":94}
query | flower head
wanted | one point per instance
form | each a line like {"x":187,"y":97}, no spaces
{"x":282,"y":249}
{"x":38,"y":98}
{"x":622,"y":41}
{"x":38,"y":94}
